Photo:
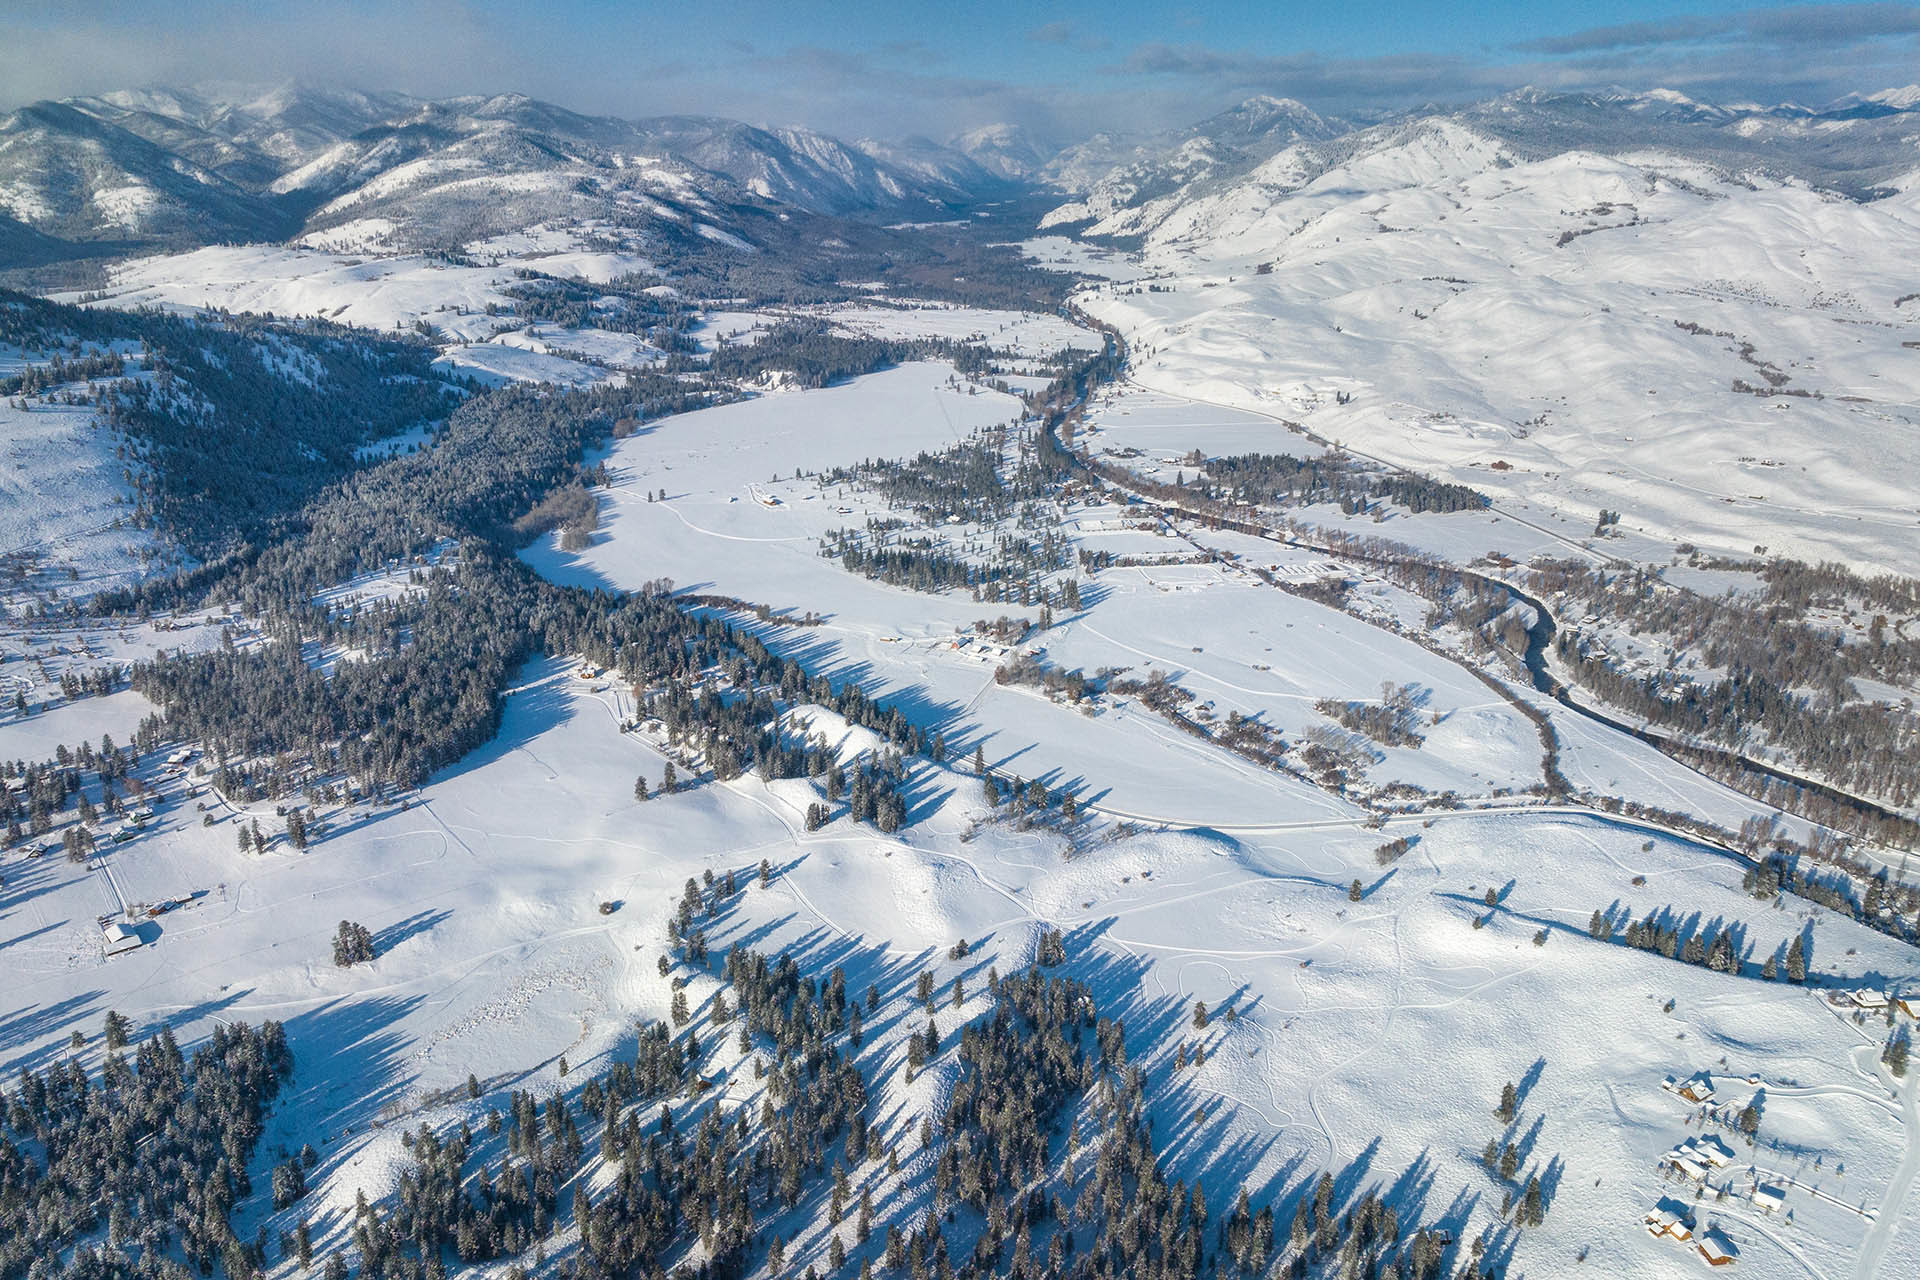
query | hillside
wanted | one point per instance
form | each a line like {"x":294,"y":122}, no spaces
{"x":1720,"y":356}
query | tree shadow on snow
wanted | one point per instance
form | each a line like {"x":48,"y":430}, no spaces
{"x":39,"y":1022}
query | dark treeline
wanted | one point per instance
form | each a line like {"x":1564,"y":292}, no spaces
{"x":1717,"y":948}
{"x":1266,"y":479}
{"x":503,"y":459}
{"x":963,"y":481}
{"x":977,"y":482}
{"x":394,"y":719}
{"x":46,"y":790}
{"x":713,"y":1181}
{"x":617,"y":306}
{"x":141,"y":1164}
{"x":1010,"y":570}
{"x":971,"y":481}
{"x":812,"y":353}
{"x":60,"y":370}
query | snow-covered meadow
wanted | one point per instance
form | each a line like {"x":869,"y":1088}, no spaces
{"x":484,"y":894}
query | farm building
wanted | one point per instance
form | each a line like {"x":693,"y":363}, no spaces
{"x":1695,"y":1088}
{"x":1716,"y":1250}
{"x":118,"y":939}
{"x":1705,"y":1150}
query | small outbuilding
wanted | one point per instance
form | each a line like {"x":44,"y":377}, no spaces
{"x":118,"y":939}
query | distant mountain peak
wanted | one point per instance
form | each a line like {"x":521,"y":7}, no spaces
{"x":1005,"y":150}
{"x":1905,"y":98}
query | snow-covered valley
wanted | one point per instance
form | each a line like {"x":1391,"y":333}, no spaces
{"x":1177,"y":648}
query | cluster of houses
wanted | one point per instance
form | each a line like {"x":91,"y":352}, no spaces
{"x":1696,"y":1160}
{"x":1667,"y":1223}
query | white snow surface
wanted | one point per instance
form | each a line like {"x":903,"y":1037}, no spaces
{"x":495,"y":960}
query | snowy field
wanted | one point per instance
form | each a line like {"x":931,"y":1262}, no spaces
{"x":373,"y":292}
{"x":497,"y":363}
{"x":379,"y":292}
{"x":484,"y":896}
{"x":715,"y":536}
{"x":618,"y":350}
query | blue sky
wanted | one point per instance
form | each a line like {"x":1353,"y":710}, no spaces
{"x":892,"y":67}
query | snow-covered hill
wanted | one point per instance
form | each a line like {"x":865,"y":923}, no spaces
{"x":1722,"y":354}
{"x":1856,"y":146}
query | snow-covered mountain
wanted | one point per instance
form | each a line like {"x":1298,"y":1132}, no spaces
{"x":1004,"y":150}
{"x":65,"y":172}
{"x":171,"y":166}
{"x":932,"y":163}
{"x":1114,"y":175}
{"x":1612,"y":321}
{"x":1856,"y":146}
